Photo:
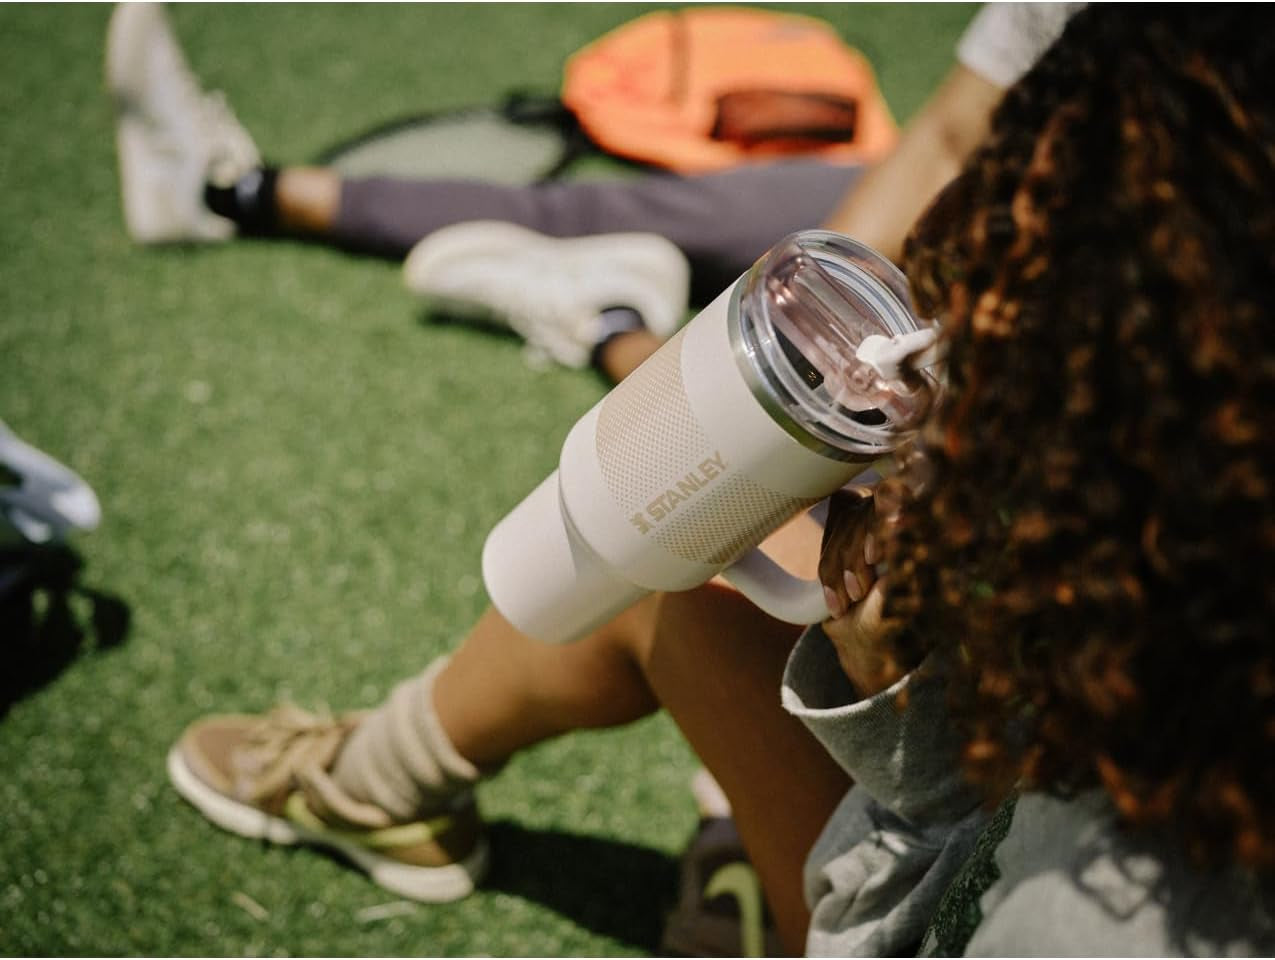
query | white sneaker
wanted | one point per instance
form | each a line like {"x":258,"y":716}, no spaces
{"x":550,"y":291}
{"x":41,"y":501}
{"x":171,"y":136}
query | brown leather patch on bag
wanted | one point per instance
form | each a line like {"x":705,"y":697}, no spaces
{"x":750,"y":117}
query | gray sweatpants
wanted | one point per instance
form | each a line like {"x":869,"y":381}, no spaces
{"x":721,"y":221}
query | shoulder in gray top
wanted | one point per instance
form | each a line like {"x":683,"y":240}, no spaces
{"x":912,"y":860}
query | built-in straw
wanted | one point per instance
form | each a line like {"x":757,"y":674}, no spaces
{"x":829,"y":322}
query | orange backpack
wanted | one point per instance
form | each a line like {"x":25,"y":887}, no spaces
{"x":712,"y":87}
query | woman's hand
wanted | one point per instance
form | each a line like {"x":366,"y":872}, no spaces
{"x":848,"y":553}
{"x":847,"y":568}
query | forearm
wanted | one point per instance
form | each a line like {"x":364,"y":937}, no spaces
{"x":884,"y":204}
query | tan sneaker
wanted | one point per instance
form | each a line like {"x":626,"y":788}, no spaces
{"x":266,"y":777}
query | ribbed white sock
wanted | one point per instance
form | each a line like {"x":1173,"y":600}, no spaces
{"x":400,"y":759}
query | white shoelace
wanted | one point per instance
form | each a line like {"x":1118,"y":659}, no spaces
{"x":292,"y":747}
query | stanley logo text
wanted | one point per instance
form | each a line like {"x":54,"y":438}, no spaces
{"x":679,"y":492}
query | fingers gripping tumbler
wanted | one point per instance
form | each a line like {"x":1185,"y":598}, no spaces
{"x":783,"y":389}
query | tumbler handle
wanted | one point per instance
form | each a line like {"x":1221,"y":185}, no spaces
{"x":776,"y":591}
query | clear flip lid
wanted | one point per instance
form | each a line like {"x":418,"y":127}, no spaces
{"x":825,"y":325}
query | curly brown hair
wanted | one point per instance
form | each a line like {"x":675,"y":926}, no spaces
{"x":1093,"y":544}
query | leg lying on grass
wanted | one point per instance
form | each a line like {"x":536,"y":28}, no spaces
{"x":190,"y":172}
{"x":392,"y":789}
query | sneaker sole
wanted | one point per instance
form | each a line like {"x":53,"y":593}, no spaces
{"x":126,"y":33}
{"x":660,"y":260}
{"x":426,"y":884}
{"x":123,"y":46}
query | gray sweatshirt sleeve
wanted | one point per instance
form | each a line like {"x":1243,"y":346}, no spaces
{"x":877,"y":872}
{"x":1050,"y":876}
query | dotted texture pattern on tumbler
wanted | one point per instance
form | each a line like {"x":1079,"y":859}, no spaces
{"x":649,"y":410}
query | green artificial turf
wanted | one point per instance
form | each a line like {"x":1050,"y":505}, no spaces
{"x":297,"y":471}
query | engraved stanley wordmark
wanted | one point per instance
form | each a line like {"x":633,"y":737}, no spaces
{"x":659,"y":509}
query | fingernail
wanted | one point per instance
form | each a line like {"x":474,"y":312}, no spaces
{"x":853,"y":588}
{"x":835,"y":607}
{"x":870,"y":549}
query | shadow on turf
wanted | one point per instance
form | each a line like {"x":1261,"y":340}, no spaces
{"x":442,"y":316}
{"x":48,"y":619}
{"x":615,"y":889}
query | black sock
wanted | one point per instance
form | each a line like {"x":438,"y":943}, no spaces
{"x":613,"y":321}
{"x":249,"y":201}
